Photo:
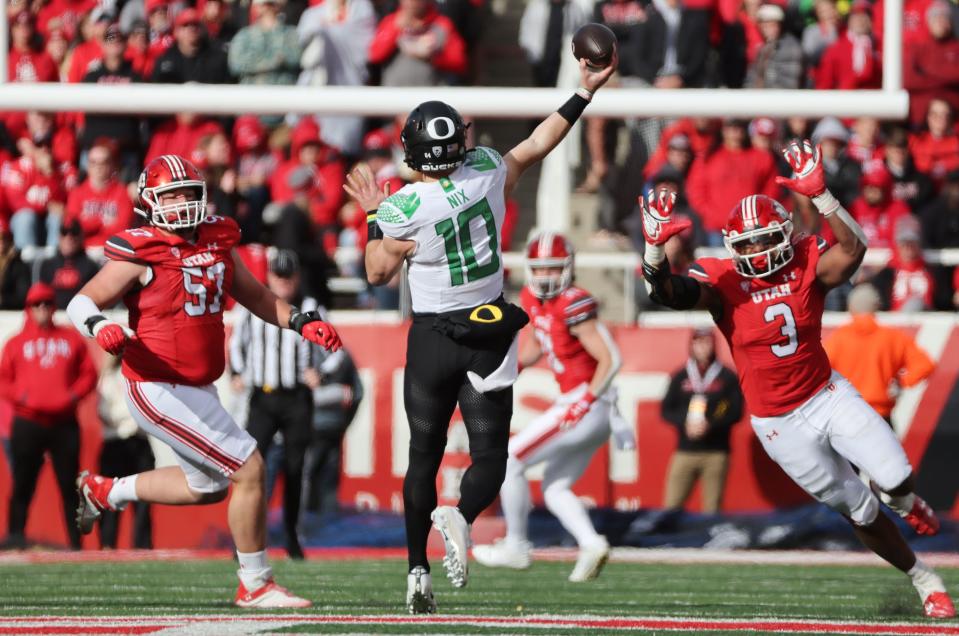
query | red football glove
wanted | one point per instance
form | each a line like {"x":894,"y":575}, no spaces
{"x":111,"y":336}
{"x":658,"y":222}
{"x":313,"y":328}
{"x":806,"y":162}
{"x":576,"y":411}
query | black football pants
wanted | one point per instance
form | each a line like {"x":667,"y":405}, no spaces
{"x":289,"y":411}
{"x":435,"y":381}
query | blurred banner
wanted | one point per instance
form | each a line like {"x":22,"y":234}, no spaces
{"x":375,"y":449}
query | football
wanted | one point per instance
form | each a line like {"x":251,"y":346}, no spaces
{"x":595,"y":42}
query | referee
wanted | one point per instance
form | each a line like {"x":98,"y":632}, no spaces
{"x":461,"y":347}
{"x":273,"y":362}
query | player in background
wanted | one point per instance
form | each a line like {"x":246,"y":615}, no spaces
{"x":768,"y":302}
{"x":461,"y":346}
{"x":584,"y":360}
{"x":173,"y":275}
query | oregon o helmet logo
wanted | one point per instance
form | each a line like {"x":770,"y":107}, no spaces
{"x":448,"y":126}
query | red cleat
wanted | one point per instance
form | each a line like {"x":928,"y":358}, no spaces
{"x":270,"y":595}
{"x":93,"y":491}
{"x":922,"y":519}
{"x":938,"y":605}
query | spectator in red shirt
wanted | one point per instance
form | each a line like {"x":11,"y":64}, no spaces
{"x":45,"y":371}
{"x":417,"y":46}
{"x":875,"y":210}
{"x":308,"y":150}
{"x":720,"y":179}
{"x":180,"y":135}
{"x":699,"y":135}
{"x":65,"y":15}
{"x":936,"y":149}
{"x":101,"y":204}
{"x":906,"y":284}
{"x":914,"y":28}
{"x":57,"y":48}
{"x":817,"y":37}
{"x":87,"y":55}
{"x":27,"y":61}
{"x":138,"y":51}
{"x":931,"y":67}
{"x":34,"y":189}
{"x":852,"y":61}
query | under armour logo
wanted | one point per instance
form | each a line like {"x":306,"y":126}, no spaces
{"x":744,"y":285}
{"x":831,"y":387}
{"x":212,"y":246}
{"x":770,"y":436}
{"x":175,"y":251}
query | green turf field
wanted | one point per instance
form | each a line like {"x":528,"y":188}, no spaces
{"x":370,"y":588}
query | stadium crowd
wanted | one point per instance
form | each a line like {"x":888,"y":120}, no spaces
{"x":67,"y":180}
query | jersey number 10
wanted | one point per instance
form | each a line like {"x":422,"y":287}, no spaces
{"x":460,"y":255}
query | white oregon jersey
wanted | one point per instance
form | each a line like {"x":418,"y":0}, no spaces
{"x":456,"y":223}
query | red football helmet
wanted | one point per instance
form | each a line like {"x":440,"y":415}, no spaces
{"x":759,"y":221}
{"x":551,"y":250}
{"x":165,"y":173}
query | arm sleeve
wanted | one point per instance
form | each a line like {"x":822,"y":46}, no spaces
{"x":674,"y":406}
{"x":917,"y":365}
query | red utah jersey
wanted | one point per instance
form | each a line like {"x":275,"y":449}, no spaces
{"x":551,"y":320}
{"x":178,"y":314}
{"x":774,"y":328}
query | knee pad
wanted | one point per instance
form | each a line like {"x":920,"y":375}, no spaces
{"x":861,"y":505}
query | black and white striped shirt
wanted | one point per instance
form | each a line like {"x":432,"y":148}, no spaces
{"x":268,"y":357}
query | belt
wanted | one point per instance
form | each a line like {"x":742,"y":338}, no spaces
{"x":269,"y":389}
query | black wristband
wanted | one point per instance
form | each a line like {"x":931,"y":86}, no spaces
{"x":91,"y":322}
{"x":573,"y":108}
{"x":373,"y":231}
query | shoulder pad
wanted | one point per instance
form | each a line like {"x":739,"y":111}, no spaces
{"x":399,"y":208}
{"x":483,"y":158}
{"x":135,"y":245}
{"x":222,"y":229}
{"x":578,"y":306}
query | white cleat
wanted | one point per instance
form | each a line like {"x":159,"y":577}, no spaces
{"x":419,"y":592}
{"x":590,"y":562}
{"x":504,"y":553}
{"x":451,"y":525}
{"x":268,"y":596}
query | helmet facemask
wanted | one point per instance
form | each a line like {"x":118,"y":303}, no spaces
{"x":553,"y":283}
{"x":181,"y":215}
{"x":776,"y":240}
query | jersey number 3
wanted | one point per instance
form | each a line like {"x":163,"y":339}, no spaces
{"x":782,"y":310}
{"x":197,"y":305}
{"x":460,"y":254}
